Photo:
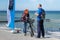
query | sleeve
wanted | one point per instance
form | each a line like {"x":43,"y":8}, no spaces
{"x":37,"y":11}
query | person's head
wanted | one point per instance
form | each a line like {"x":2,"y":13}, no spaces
{"x":26,"y":11}
{"x":40,"y":6}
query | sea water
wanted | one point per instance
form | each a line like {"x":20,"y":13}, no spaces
{"x":52,"y":25}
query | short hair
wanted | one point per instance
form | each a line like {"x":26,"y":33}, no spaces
{"x":40,"y":5}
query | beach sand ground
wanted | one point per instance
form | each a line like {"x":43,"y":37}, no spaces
{"x":5,"y":34}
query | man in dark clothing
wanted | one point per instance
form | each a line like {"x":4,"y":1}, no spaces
{"x":40,"y":20}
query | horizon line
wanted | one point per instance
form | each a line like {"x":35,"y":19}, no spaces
{"x":31,"y":10}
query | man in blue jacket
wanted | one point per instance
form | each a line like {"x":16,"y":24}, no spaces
{"x":40,"y":19}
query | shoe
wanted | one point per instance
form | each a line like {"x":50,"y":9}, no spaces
{"x":38,"y":36}
{"x":32,"y":35}
{"x":43,"y":36}
{"x":25,"y":34}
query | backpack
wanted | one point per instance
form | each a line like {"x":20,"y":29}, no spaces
{"x":43,"y":14}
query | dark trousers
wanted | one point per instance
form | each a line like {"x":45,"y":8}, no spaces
{"x":40,"y":28}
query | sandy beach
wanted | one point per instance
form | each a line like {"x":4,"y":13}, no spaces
{"x":5,"y":34}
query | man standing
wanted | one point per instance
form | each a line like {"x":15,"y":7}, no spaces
{"x":40,"y":20}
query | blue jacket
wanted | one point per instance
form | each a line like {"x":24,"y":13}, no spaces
{"x":39,"y":11}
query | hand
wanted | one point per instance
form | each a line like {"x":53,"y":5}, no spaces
{"x":36,"y":14}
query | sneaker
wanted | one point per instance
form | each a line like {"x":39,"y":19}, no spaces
{"x":38,"y":36}
{"x":25,"y":34}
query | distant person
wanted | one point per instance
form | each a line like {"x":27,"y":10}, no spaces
{"x":40,"y":20}
{"x":26,"y":18}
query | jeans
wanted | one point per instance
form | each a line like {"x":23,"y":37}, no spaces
{"x":25,"y":27}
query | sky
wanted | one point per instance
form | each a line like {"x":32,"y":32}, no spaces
{"x":49,"y":5}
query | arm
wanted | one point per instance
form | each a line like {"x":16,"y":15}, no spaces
{"x":37,"y":13}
